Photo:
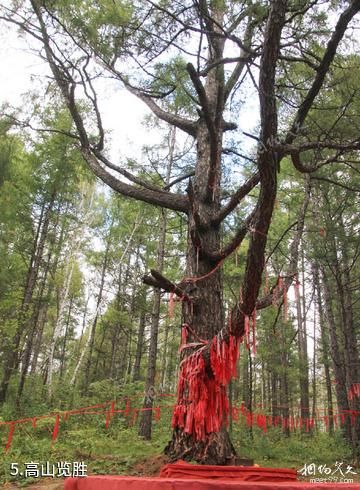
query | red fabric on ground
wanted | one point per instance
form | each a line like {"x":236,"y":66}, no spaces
{"x":182,"y":469}
{"x":136,"y":483}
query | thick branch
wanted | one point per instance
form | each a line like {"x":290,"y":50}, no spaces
{"x":160,"y":198}
{"x":185,"y":125}
{"x":157,"y":280}
{"x":236,"y":198}
{"x":234,"y":243}
{"x":318,"y":145}
{"x":127,"y":174}
{"x":203,"y":100}
{"x":308,"y":169}
{"x":176,"y":202}
{"x":179,"y":179}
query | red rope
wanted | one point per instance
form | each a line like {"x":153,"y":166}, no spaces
{"x":205,"y":276}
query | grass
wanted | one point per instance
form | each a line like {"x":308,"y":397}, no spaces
{"x":119,"y":450}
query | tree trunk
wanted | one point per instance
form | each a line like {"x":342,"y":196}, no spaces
{"x":139,"y":348}
{"x":302,"y":347}
{"x":11,"y":357}
{"x":325,"y":349}
{"x":66,"y":334}
{"x":94,"y":323}
{"x":337,"y":356}
{"x":351,"y":354}
{"x":146,"y":417}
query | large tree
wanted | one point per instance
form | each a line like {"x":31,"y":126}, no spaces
{"x":204,"y":58}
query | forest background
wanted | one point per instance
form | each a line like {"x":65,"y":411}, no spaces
{"x":85,"y":329}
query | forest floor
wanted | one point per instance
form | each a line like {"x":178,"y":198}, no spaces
{"x":118,"y":450}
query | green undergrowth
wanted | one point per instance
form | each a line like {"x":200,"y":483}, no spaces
{"x":273,"y":449}
{"x":119,"y":450}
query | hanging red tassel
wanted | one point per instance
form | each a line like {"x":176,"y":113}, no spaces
{"x":56,"y":428}
{"x":354,"y":391}
{"x":10,"y":436}
{"x":157,"y":413}
{"x":171,"y":305}
{"x":33,"y":422}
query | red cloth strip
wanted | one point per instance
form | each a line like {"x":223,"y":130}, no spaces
{"x":10,"y":436}
{"x":56,"y":428}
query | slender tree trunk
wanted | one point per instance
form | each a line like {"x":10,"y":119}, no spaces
{"x":337,"y":356}
{"x":47,"y":299}
{"x":351,"y":354}
{"x":284,"y":386}
{"x":139,"y":348}
{"x":146,"y":417}
{"x":11,"y":357}
{"x":325,"y":349}
{"x":97,"y":313}
{"x":302,"y":347}
{"x":30,"y":338}
{"x":66,"y":334}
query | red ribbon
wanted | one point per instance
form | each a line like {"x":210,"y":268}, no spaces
{"x":10,"y":436}
{"x":56,"y":428}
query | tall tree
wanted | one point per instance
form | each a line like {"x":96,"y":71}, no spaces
{"x":257,"y":43}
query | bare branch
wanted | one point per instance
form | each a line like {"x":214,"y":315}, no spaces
{"x":333,"y":182}
{"x":323,"y":68}
{"x":179,"y":179}
{"x":159,"y":281}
